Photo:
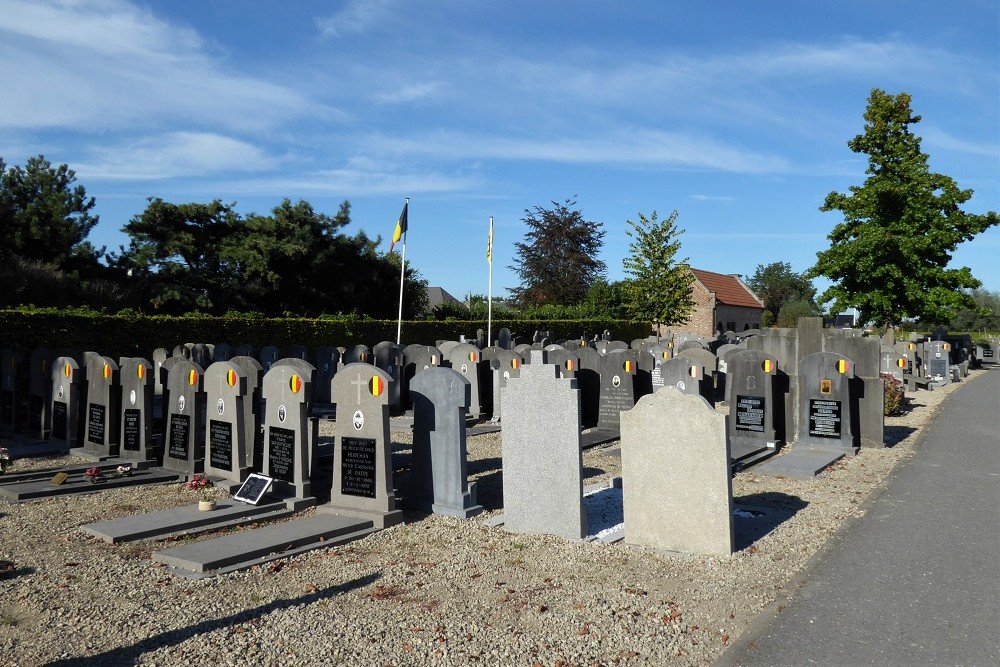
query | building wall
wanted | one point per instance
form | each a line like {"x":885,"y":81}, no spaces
{"x":702,"y":322}
{"x":737,"y":318}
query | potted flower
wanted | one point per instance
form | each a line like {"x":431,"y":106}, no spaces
{"x":124,"y":470}
{"x":202,"y":484}
{"x":4,"y":460}
{"x":92,"y":475}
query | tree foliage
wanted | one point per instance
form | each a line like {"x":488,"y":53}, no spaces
{"x":776,"y":285}
{"x":659,"y":290}
{"x":44,"y":217}
{"x":984,"y":315}
{"x":557,"y":261}
{"x":889,"y":256}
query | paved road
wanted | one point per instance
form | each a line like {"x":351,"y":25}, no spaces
{"x":917,"y":580}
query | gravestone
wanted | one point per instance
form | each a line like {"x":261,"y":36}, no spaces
{"x":505,"y":364}
{"x":39,"y":392}
{"x":181,"y":352}
{"x":618,"y":370}
{"x":327,"y":362}
{"x":938,"y":361}
{"x":504,"y":339}
{"x":246,"y":350}
{"x":184,"y":439}
{"x":136,"y":424}
{"x":415,"y":359}
{"x":486,"y":381}
{"x":465,"y":359}
{"x":68,"y":387}
{"x":223,"y":352}
{"x":389,"y":357}
{"x":231,"y":429}
{"x":893,"y":363}
{"x":825,"y":402}
{"x":567,"y":362}
{"x":254,"y":374}
{"x":362,"y":468}
{"x":201,"y":355}
{"x":438,"y":479}
{"x":676,"y":475}
{"x":102,"y":410}
{"x":687,"y":376}
{"x":10,"y":363}
{"x":288,"y":433}
{"x":588,"y":381}
{"x":445,"y":346}
{"x":542,"y":459}
{"x":297,"y":352}
{"x":268,"y":355}
{"x":357,"y":354}
{"x":756,"y":417}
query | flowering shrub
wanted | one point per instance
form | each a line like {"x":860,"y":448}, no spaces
{"x":895,"y":395}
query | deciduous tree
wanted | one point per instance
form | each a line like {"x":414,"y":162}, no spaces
{"x":660,"y":286}
{"x":889,"y":257}
{"x":776,"y":285}
{"x":557,"y":261}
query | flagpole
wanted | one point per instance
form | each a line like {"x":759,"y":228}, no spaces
{"x":489,"y":293}
{"x":402,"y":275}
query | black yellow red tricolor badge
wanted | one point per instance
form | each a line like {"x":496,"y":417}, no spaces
{"x":295,"y":384}
{"x":231,"y":377}
{"x":376,"y":385}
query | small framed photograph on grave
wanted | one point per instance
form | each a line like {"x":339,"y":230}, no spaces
{"x":253,"y":489}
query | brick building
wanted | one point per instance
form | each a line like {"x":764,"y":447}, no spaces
{"x":722,"y":303}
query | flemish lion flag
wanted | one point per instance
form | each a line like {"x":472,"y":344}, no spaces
{"x":400,"y":227}
{"x":489,"y":243}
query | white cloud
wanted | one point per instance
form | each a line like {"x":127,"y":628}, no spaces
{"x":177,"y":154}
{"x":357,"y":17}
{"x":937,"y":138}
{"x":107,"y":64}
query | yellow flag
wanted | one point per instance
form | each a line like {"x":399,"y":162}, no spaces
{"x":401,"y":225}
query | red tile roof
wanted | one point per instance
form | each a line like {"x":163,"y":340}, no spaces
{"x":728,"y":290}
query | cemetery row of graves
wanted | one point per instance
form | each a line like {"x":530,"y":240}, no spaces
{"x":247,"y":419}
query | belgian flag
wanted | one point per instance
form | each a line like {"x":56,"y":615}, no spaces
{"x":401,"y":225}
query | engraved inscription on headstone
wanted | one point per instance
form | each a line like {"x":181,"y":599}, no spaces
{"x":180,"y":427}
{"x":95,"y":425}
{"x":132,"y":421}
{"x":253,"y":489}
{"x":220,"y":444}
{"x":358,"y":467}
{"x":750,"y":413}
{"x":281,"y":450}
{"x":824,"y":418}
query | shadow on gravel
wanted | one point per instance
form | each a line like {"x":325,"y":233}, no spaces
{"x":129,"y":655}
{"x":756,"y":515}
{"x":9,"y":570}
{"x":893,"y":435}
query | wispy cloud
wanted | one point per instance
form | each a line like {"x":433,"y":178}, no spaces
{"x":108,"y":64}
{"x":726,"y":199}
{"x":357,"y":17}
{"x":934,"y":137}
{"x":173,"y":155}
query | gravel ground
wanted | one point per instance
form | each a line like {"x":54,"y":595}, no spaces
{"x":434,"y":591}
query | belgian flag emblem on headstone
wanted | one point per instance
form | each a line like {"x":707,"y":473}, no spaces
{"x":140,"y":371}
{"x":231,"y":377}
{"x":295,"y":384}
{"x":843,"y":366}
{"x":376,"y":385}
{"x":192,"y":377}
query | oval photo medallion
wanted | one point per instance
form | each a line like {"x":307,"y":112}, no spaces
{"x":222,"y":406}
{"x":616,"y":381}
{"x":281,"y":413}
{"x":131,"y":396}
{"x":359,"y":420}
{"x":180,"y":404}
{"x":681,"y":385}
{"x":60,"y":392}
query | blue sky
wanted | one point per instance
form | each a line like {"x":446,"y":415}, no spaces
{"x":736,"y":114}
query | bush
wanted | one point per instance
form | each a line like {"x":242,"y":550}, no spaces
{"x":895,"y":395}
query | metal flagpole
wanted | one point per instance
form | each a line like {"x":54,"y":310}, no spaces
{"x":402,"y":275}
{"x":489,"y":297}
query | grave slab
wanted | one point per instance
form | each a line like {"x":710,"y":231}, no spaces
{"x":801,"y":462}
{"x":41,"y":488}
{"x":184,"y":520}
{"x":262,"y":545}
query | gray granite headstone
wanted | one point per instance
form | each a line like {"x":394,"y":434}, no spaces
{"x":825,"y":402}
{"x":223,"y":352}
{"x":231,"y":429}
{"x":676,"y":475}
{"x":184,"y":440}
{"x":254,"y":373}
{"x":688,"y":376}
{"x":288,"y":434}
{"x":268,"y":355}
{"x":101,"y":410}
{"x":39,"y":392}
{"x":68,"y":384}
{"x":542,"y":459}
{"x":327,"y":362}
{"x":938,"y":361}
{"x":588,"y":381}
{"x":618,"y":371}
{"x":362,"y":466}
{"x":893,"y":363}
{"x":752,"y":404}
{"x":136,"y":424}
{"x":389,"y":357}
{"x":439,"y":473}
{"x":505,"y":364}
{"x":357,"y":354}
{"x":465,"y":359}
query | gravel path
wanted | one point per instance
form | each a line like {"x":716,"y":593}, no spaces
{"x":434,"y":591}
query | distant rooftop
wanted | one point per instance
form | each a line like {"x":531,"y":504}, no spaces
{"x":437,"y":296}
{"x":728,"y":289}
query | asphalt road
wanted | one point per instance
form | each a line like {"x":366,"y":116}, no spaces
{"x":917,"y":580}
